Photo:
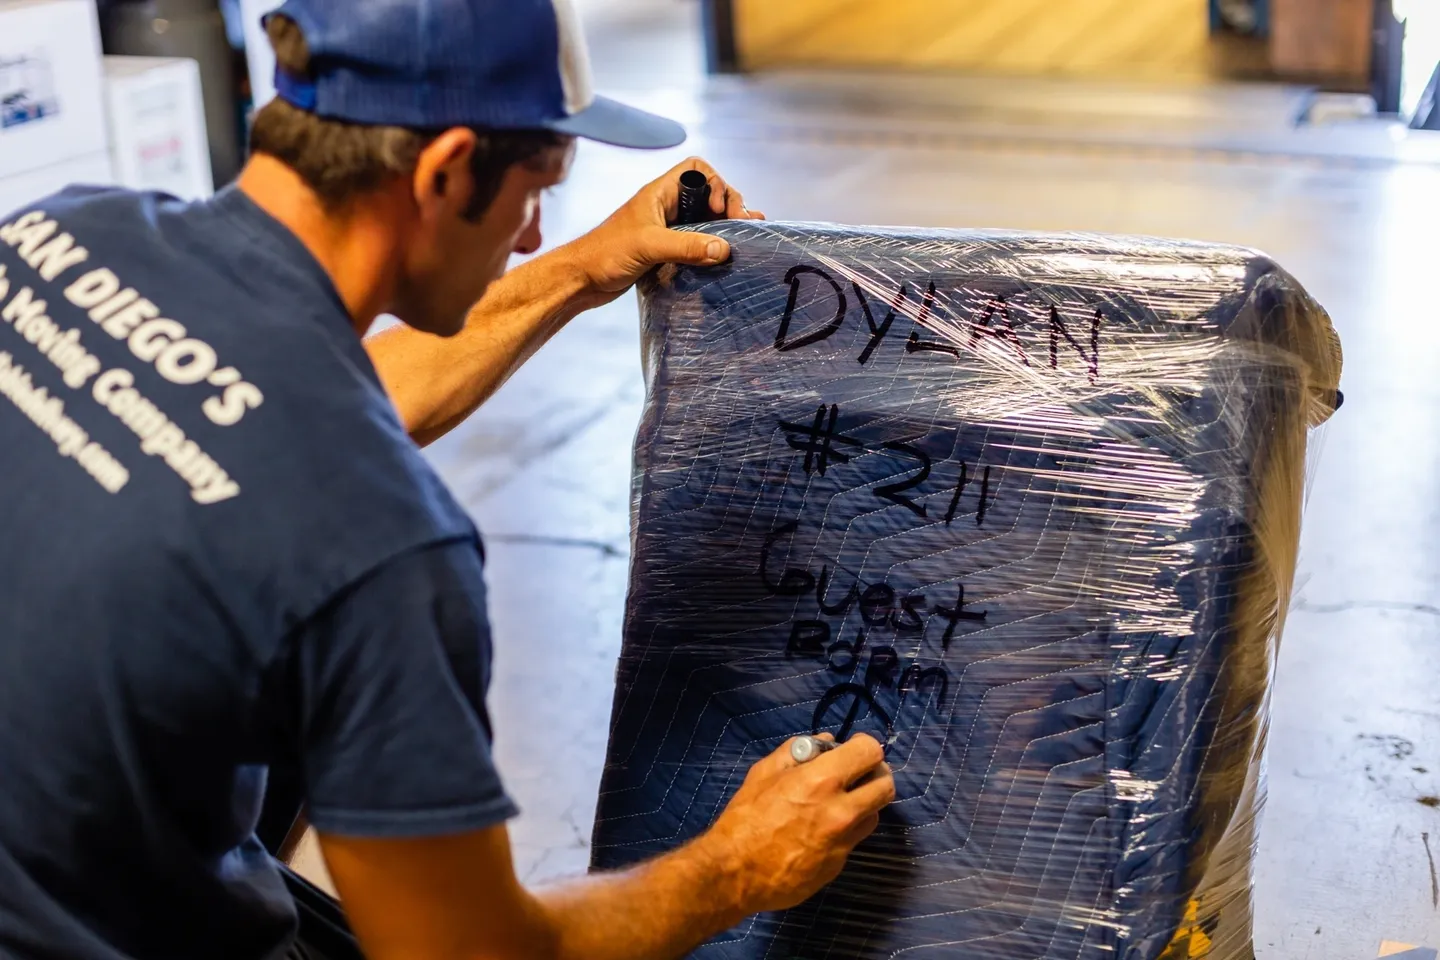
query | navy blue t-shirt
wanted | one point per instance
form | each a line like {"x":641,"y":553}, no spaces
{"x":219,"y":553}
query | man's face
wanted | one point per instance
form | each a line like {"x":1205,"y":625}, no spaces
{"x":449,"y":260}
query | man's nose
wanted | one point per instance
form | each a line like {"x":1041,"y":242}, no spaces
{"x":530,"y":238}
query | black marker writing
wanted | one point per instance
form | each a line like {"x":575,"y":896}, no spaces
{"x":817,"y":441}
{"x":1058,"y":329}
{"x":955,"y":615}
{"x":792,"y":277}
{"x":996,"y":320}
{"x":879,"y":605}
{"x":858,"y":695}
{"x":960,"y":489}
{"x":895,"y":492}
{"x":1006,"y":331}
{"x":877,"y":334}
{"x":914,"y":344}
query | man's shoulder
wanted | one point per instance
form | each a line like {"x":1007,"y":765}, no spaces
{"x":225,"y":380}
{"x":100,"y":204}
{"x":199,"y":315}
{"x":175,"y":252}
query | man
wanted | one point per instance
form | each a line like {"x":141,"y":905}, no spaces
{"x":221,"y":553}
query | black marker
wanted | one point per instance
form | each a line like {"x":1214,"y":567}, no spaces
{"x":805,"y":749}
{"x":694,"y":198}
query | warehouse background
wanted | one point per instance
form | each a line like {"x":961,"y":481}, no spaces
{"x":1295,"y":126}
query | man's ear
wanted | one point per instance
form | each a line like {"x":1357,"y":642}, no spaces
{"x":442,"y":180}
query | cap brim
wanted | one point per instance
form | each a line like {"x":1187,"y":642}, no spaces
{"x":612,"y":122}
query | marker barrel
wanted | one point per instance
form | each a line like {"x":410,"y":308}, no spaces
{"x":805,"y":749}
{"x":694,"y":198}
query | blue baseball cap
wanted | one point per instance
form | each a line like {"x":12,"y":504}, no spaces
{"x":434,"y":64}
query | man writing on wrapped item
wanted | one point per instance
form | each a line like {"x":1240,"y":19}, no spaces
{"x":223,"y":556}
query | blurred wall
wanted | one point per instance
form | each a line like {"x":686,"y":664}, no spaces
{"x":1322,"y":39}
{"x":1149,"y":39}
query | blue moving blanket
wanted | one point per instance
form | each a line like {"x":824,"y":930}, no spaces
{"x":1023,"y":507}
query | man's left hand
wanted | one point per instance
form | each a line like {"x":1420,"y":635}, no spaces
{"x":635,"y":238}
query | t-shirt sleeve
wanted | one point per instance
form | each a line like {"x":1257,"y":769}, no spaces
{"x":391,"y":676}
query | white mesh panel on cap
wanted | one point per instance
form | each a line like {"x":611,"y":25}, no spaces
{"x":574,"y":59}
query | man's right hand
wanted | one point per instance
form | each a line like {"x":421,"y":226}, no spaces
{"x":789,"y":829}
{"x":785,"y":834}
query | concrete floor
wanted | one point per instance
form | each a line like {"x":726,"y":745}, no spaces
{"x":1345,"y":858}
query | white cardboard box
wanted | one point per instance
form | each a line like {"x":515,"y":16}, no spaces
{"x":51,"y":95}
{"x":157,"y":125}
{"x":22,"y":188}
{"x":258,"y":56}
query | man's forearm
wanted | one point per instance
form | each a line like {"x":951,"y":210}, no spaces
{"x":458,"y":897}
{"x":437,"y":382}
{"x":784,"y":834}
{"x":658,"y":910}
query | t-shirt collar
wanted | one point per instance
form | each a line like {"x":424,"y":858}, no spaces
{"x":272,"y":236}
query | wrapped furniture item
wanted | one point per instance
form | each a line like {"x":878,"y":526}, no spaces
{"x":1026,"y":509}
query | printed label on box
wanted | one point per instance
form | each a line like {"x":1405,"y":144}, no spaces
{"x":27,"y":89}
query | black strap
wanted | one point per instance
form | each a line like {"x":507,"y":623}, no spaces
{"x":324,"y":933}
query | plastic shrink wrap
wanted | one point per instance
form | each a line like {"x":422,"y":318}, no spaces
{"x":1025,"y":508}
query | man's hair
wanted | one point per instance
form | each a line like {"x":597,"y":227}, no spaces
{"x":341,"y":160}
